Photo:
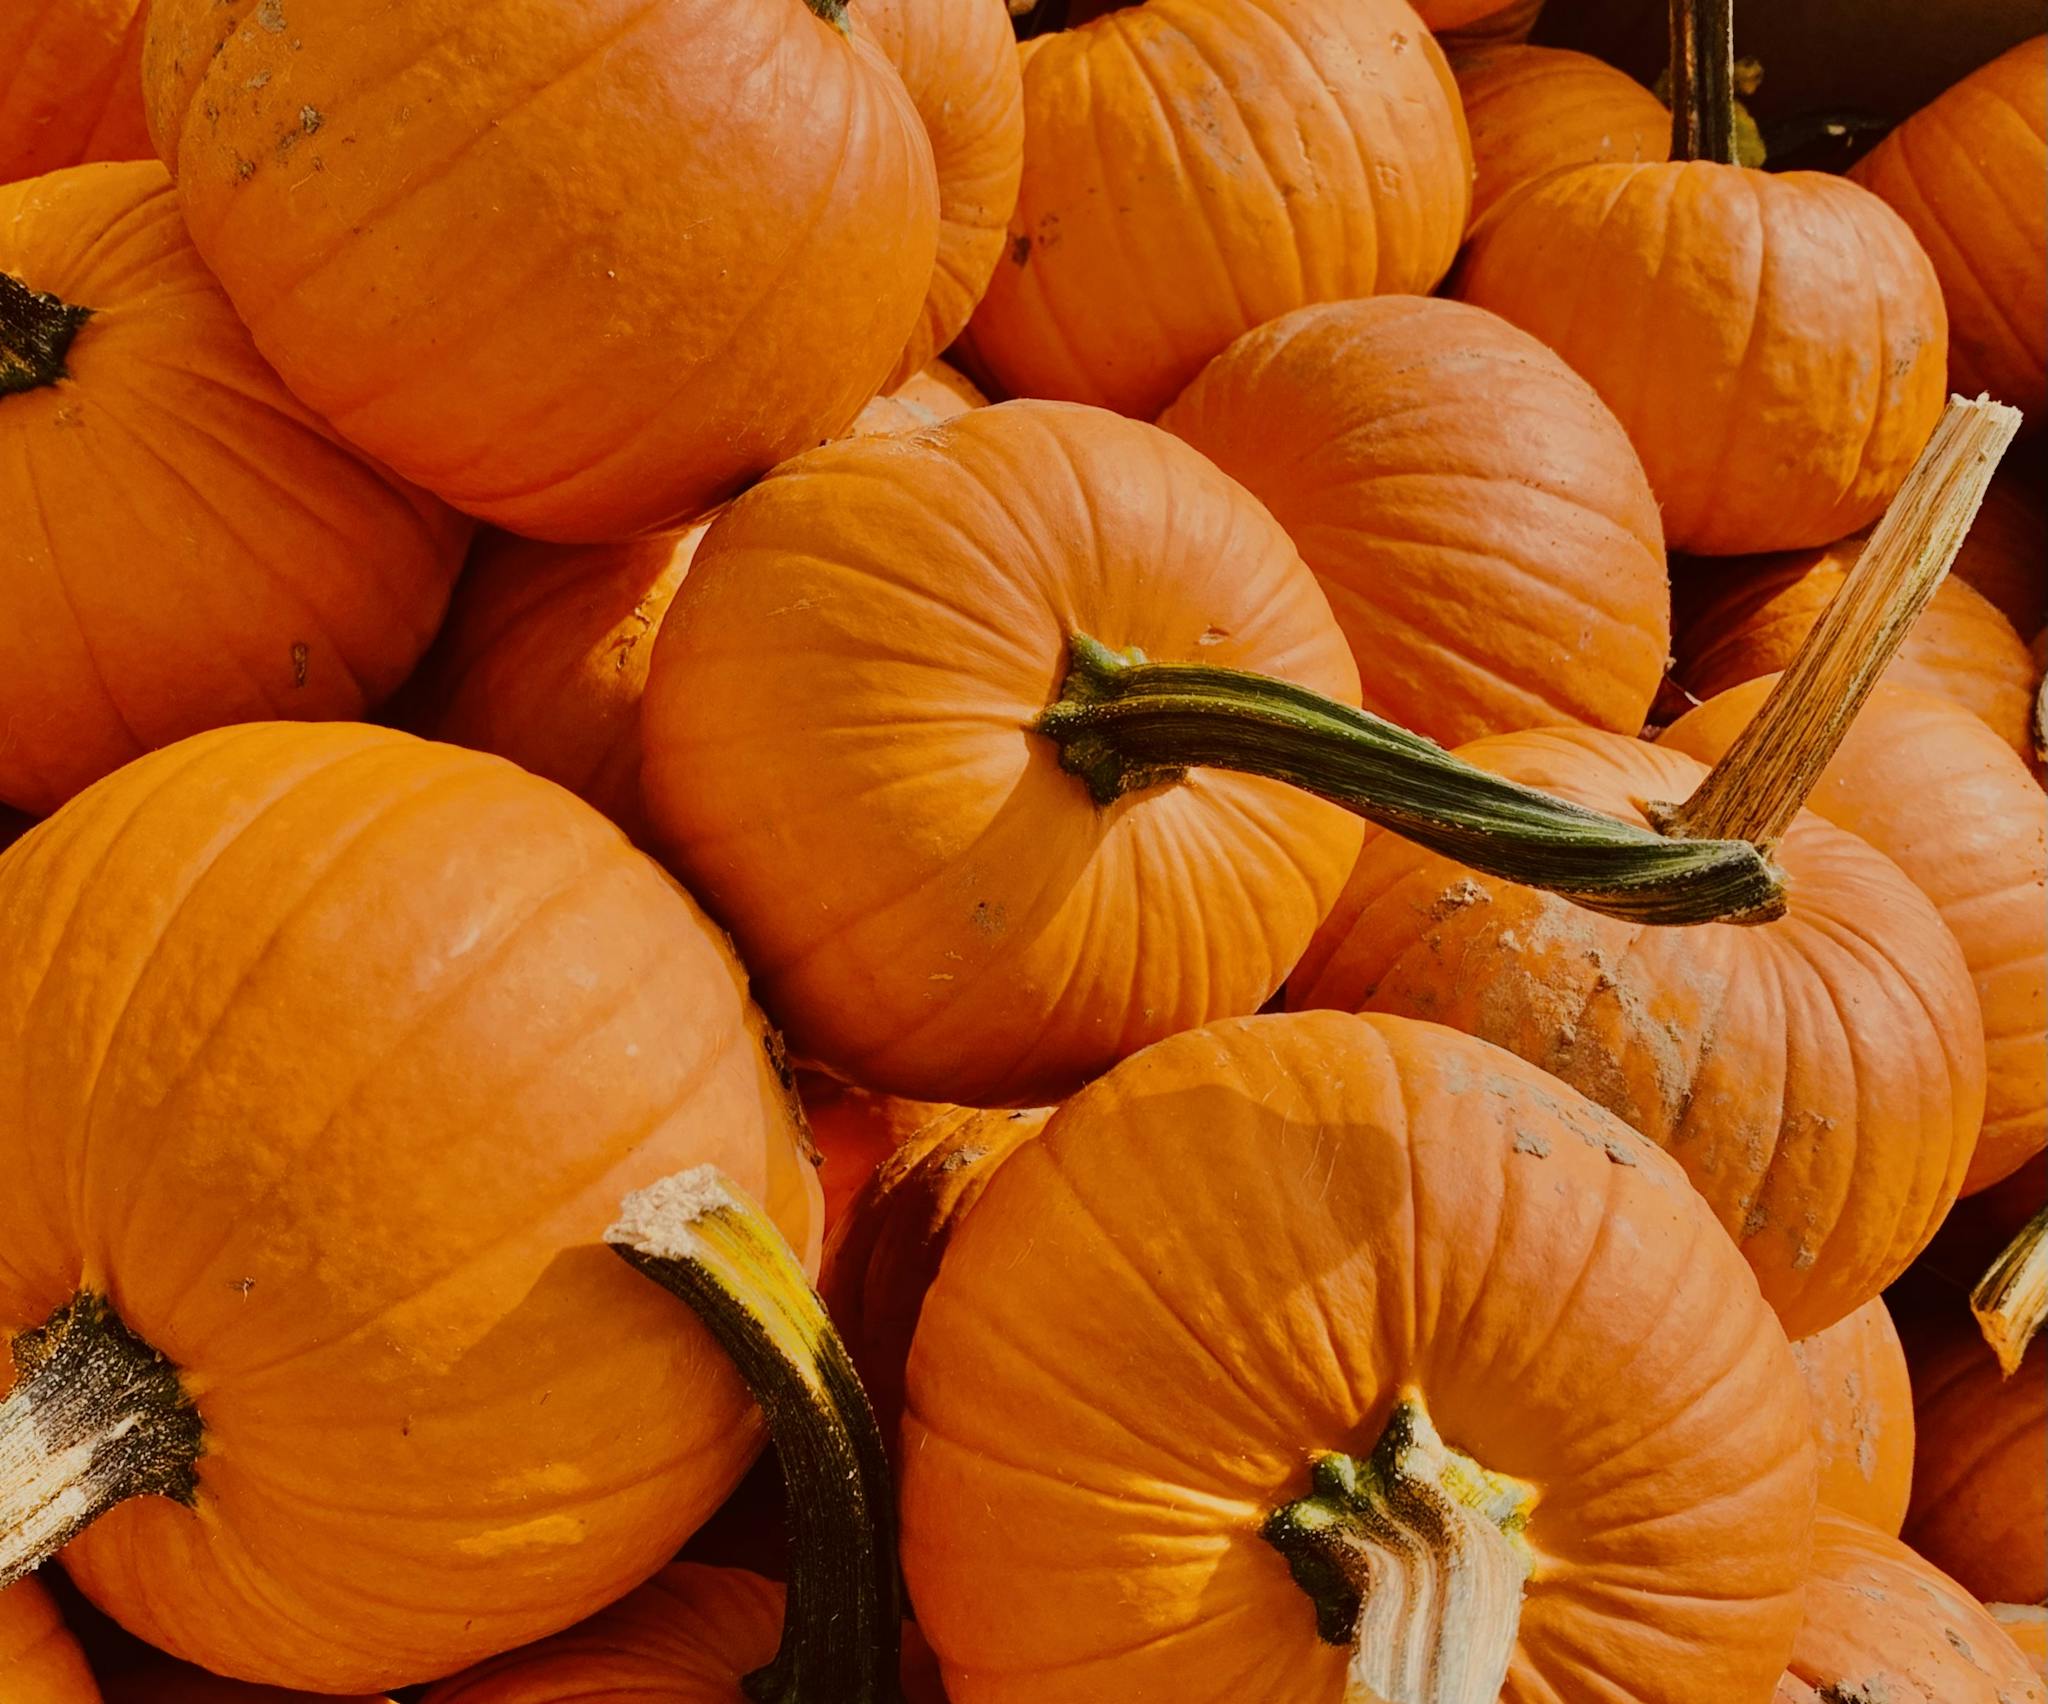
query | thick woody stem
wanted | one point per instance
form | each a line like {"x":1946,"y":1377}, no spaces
{"x":2011,"y":1300}
{"x":1703,"y":80}
{"x":1761,"y":782}
{"x":96,"y":1416}
{"x":1415,"y":1559}
{"x":700,"y":1239}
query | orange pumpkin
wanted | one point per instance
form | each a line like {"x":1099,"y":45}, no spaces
{"x":1476,"y":516}
{"x":1980,"y":1478}
{"x":70,"y":84}
{"x":40,"y":1662}
{"x":937,"y":394}
{"x":2006,"y":555}
{"x":854,"y":1132}
{"x":958,"y":60}
{"x":1960,"y":171}
{"x":159,"y":1680}
{"x":1166,"y":1338}
{"x":1480,"y":21}
{"x":1931,"y":787}
{"x":406,"y":207}
{"x":190,"y":546}
{"x":1535,"y":110}
{"x":2026,"y":1624}
{"x":1862,"y":1403}
{"x":1194,"y":168}
{"x":327,"y":1055}
{"x":1882,"y":1624}
{"x":1735,"y":629}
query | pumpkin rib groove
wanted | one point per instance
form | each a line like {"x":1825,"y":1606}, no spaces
{"x":1874,"y":415}
{"x":1732,"y":427}
{"x":1967,"y":156}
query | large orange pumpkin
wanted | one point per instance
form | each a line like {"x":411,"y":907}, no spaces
{"x":1862,"y":1402}
{"x":40,"y":1662}
{"x":958,"y":60}
{"x":1475,"y":514}
{"x":1534,"y":110}
{"x":70,"y":84}
{"x":1736,"y":628}
{"x":326,"y":1055}
{"x":187,"y":545}
{"x":581,"y":266}
{"x":1961,"y":172}
{"x":1931,"y":787}
{"x":1194,"y":168}
{"x":1169,"y":1334}
{"x":1883,"y":1625}
{"x":1980,"y":1477}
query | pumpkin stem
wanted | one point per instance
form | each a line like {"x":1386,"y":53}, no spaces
{"x":96,"y":1416}
{"x":1763,"y":779}
{"x":831,"y":12}
{"x":1703,"y":122}
{"x":2011,"y":1300}
{"x":35,"y":335}
{"x":700,"y":1239}
{"x":1123,"y":723}
{"x":1415,"y":1559}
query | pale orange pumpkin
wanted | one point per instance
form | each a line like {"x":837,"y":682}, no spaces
{"x":1862,"y":1404}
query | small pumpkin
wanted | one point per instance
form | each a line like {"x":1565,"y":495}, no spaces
{"x":1931,"y":787}
{"x":40,"y":1662}
{"x":1980,"y":1477}
{"x":854,"y":1131}
{"x":1536,"y":110}
{"x":1162,"y":1346}
{"x":1774,"y":343}
{"x":1882,"y":1623}
{"x":936,"y":394}
{"x":1734,"y":629}
{"x":327,"y":1053}
{"x":717,"y":282}
{"x":1194,"y":168}
{"x":1862,"y":1403}
{"x":189,"y":546}
{"x":1483,"y":530}
{"x":1959,"y":172}
{"x":70,"y":85}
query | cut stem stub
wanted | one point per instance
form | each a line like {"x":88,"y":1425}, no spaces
{"x":35,"y":335}
{"x":95,"y":1417}
{"x":2011,"y":1300}
{"x":1415,"y":1559}
{"x":700,"y":1239}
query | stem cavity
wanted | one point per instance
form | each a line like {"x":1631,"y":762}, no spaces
{"x":700,"y":1239}
{"x":96,"y":1416}
{"x":1415,"y":1559}
{"x":1759,"y":785}
{"x":2011,"y":1300}
{"x":35,"y":335}
{"x":1703,"y":125}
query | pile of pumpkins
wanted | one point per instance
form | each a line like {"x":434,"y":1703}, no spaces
{"x":1293,"y":1009}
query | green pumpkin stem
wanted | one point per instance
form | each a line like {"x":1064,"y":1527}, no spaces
{"x":95,"y":1417}
{"x":2011,"y":1300}
{"x":1123,"y":723}
{"x":1703,"y":116}
{"x":700,"y":1239}
{"x":35,"y":335}
{"x":1764,"y":778}
{"x":1415,"y":1560}
{"x":831,"y":12}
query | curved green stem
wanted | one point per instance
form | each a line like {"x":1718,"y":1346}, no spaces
{"x":700,"y":1239}
{"x":35,"y":335}
{"x":1123,"y":723}
{"x":2011,"y":1300}
{"x":1703,"y":123}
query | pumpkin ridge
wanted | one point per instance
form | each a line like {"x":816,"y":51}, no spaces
{"x":1967,"y":155}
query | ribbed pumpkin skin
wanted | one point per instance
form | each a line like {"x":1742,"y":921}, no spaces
{"x":40,"y":1662}
{"x":187,"y":545}
{"x":1483,"y":530}
{"x":70,"y":84}
{"x":1774,"y":344}
{"x":841,"y":704}
{"x":328,"y":1056}
{"x":1931,"y":787}
{"x":1533,"y":110}
{"x":1960,"y":649}
{"x":1961,"y":172}
{"x":1883,"y":1624}
{"x":1980,"y":1504}
{"x":1228,"y":1253}
{"x":1862,"y":1402}
{"x":1821,"y":1078}
{"x":958,"y":60}
{"x":508,"y":248}
{"x":1194,"y":168}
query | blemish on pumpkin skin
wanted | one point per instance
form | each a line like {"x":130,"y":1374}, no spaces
{"x":301,"y":656}
{"x":1020,"y":249}
{"x":549,"y":1532}
{"x":1532,"y":1142}
{"x":270,"y":16}
{"x":989,"y":920}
